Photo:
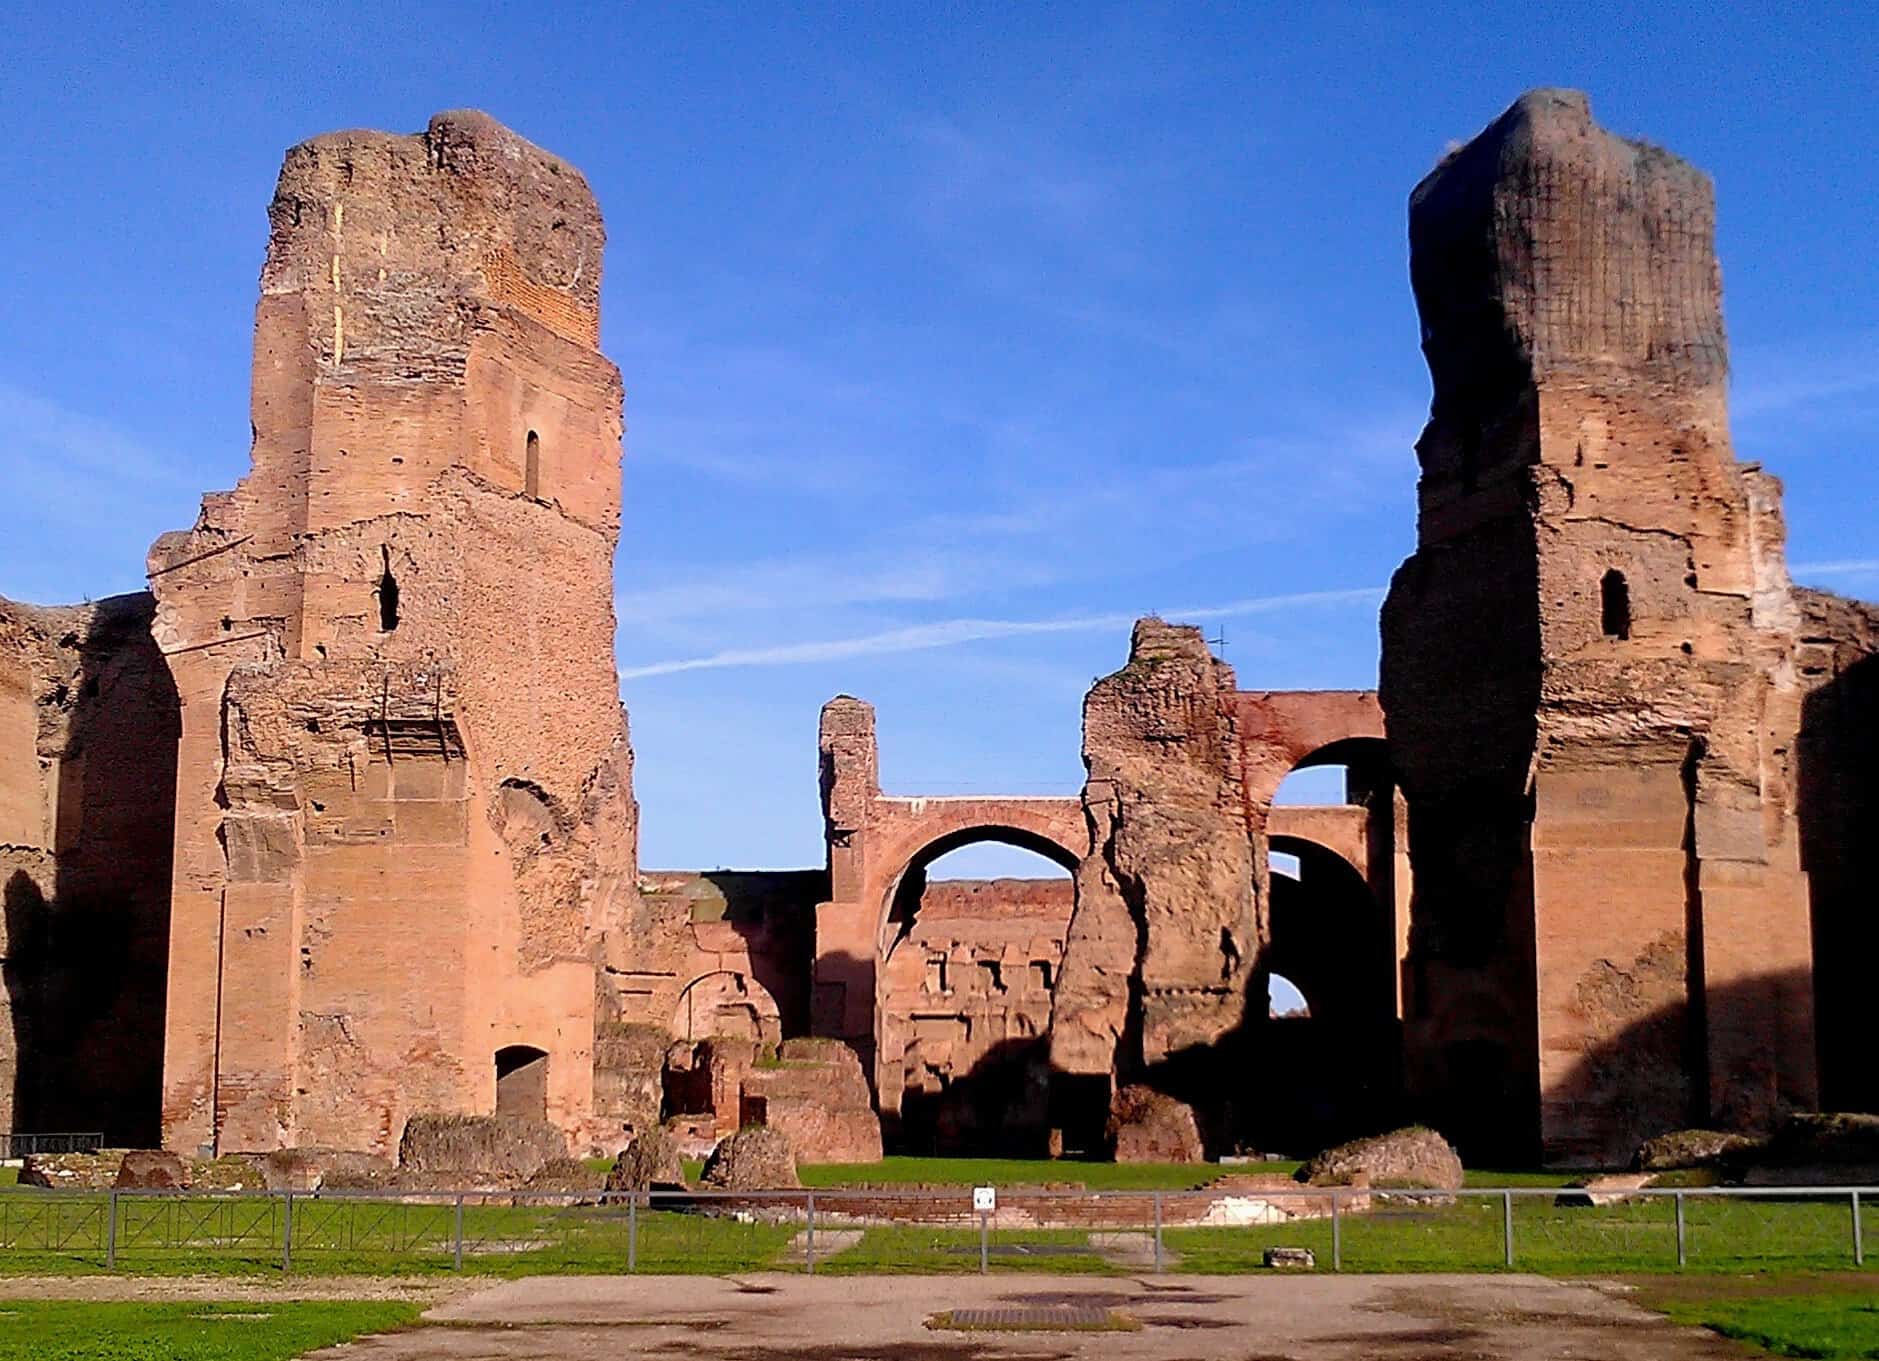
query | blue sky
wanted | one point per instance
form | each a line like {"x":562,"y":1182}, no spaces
{"x":954,"y":336}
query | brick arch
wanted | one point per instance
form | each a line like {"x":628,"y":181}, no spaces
{"x":1059,"y":833}
{"x":874,"y":839}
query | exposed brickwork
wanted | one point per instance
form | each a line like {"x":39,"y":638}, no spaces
{"x":406,"y":831}
{"x":1589,"y":666}
{"x":1632,"y":768}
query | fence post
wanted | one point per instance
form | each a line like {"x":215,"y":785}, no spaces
{"x":809,"y":1254}
{"x":1507,"y":1228}
{"x":985,"y":1242}
{"x":632,"y":1228}
{"x":1859,"y":1240}
{"x":1337,"y":1234}
{"x":110,"y":1234}
{"x":287,"y":1232}
{"x":456,"y":1235}
{"x":1682,"y":1256}
{"x":1158,"y":1261}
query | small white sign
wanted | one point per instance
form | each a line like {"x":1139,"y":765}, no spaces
{"x":985,"y":1199}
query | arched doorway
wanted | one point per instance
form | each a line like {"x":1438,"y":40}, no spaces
{"x":522,"y":1082}
{"x":971,"y":941}
{"x":1333,"y":1055}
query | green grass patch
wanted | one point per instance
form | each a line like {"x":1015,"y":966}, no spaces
{"x":91,"y":1330}
{"x":908,"y":1249}
{"x":1516,"y":1178}
{"x":1826,"y":1318}
{"x":9,"y":1176}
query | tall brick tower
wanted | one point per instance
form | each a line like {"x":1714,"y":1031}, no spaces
{"x":1587,"y":665}
{"x":404,"y":811}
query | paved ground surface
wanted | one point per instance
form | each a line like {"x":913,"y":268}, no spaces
{"x":884,"y":1318}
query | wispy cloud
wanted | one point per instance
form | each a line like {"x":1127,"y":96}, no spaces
{"x":78,"y":443}
{"x":1846,"y":567}
{"x":957,"y":632}
{"x":1820,"y":371}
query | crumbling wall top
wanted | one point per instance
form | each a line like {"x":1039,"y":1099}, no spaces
{"x":1547,"y":244}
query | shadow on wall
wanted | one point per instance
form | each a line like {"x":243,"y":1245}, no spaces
{"x":998,"y":1107}
{"x":1839,"y":815}
{"x":1641,"y":1089}
{"x":86,"y":970}
{"x":774,"y":913}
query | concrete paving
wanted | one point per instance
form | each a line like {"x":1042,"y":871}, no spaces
{"x":781,"y":1317}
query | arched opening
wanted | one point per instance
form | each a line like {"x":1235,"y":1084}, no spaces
{"x":1614,"y":605}
{"x":726,"y":1003}
{"x":1285,"y":1001}
{"x":522,"y":1082}
{"x":387,"y":593}
{"x":1332,"y":1053}
{"x":972,"y":942}
{"x":532,"y":465}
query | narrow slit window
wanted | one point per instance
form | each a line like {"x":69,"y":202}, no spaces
{"x":532,"y":465}
{"x":387,"y":594}
{"x":1615,"y":605}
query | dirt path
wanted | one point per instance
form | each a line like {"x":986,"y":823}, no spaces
{"x":884,"y":1318}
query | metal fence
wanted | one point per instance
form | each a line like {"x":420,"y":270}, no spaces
{"x":886,"y":1230}
{"x":20,"y":1145}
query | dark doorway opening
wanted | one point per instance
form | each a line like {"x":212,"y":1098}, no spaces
{"x":522,"y":1082}
{"x":1614,"y":596}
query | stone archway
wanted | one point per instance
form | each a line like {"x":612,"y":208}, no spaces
{"x":726,"y":1002}
{"x":879,"y":846}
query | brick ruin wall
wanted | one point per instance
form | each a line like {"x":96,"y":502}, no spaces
{"x":88,"y":725}
{"x":963,"y":1007}
{"x":1636,"y":766}
{"x":1171,"y":898}
{"x":1592,"y":666}
{"x":405,"y":831}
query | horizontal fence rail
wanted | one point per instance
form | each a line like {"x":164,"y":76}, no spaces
{"x":855,"y":1230}
{"x":21,"y":1145}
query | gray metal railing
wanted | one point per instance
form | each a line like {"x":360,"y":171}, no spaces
{"x":860,"y":1230}
{"x":16,"y":1145}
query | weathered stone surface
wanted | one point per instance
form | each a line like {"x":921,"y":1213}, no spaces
{"x":1606,"y":1188}
{"x":755,"y":1159}
{"x":652,"y":1162}
{"x":435,"y":475}
{"x":72,"y":1171}
{"x":148,"y":1169}
{"x":816,"y":1096}
{"x":566,"y":1177}
{"x":1592,"y":670}
{"x":309,"y":1169}
{"x":1147,"y":1126}
{"x":629,"y":1069}
{"x":1685,"y":1148}
{"x":88,"y":723}
{"x":490,"y":1148}
{"x":1411,"y":1157}
{"x":1168,"y":919}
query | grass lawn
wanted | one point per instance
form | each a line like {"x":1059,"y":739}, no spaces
{"x":1789,"y":1315}
{"x":90,"y":1330}
{"x":9,"y":1176}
